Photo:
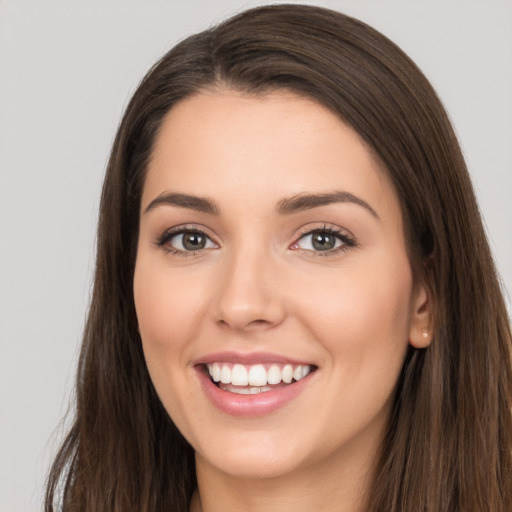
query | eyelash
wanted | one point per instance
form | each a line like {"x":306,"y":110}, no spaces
{"x":347,"y":241}
{"x":167,"y":236}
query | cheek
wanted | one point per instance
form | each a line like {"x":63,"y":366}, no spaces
{"x":363,"y":312}
{"x":167,"y":311}
{"x":168,"y":307}
{"x":362,"y":322}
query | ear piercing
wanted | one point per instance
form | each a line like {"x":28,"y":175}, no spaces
{"x":425,"y":333}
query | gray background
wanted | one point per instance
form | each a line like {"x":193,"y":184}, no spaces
{"x":67,"y":70}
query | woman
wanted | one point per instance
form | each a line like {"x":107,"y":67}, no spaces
{"x":294,"y":302}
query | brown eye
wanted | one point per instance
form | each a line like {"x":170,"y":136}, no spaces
{"x":187,"y":241}
{"x":193,"y":241}
{"x":320,"y":241}
{"x":323,"y":241}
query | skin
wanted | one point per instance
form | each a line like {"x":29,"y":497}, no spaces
{"x":259,"y":286}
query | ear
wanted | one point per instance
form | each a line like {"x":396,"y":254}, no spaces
{"x":421,"y":324}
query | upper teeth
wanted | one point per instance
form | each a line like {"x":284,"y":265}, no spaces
{"x":256,"y":375}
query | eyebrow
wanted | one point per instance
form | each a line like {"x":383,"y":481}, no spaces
{"x":302,"y":202}
{"x":200,"y":204}
{"x":286,"y":206}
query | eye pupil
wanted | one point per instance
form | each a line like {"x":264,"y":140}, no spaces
{"x":193,"y":241}
{"x":323,"y":241}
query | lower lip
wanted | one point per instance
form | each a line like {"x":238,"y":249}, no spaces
{"x":261,"y":404}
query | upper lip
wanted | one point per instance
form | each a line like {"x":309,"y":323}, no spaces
{"x":248,"y":358}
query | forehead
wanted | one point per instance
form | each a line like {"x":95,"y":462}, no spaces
{"x":227,"y":144}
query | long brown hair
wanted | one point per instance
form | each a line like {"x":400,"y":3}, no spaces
{"x":449,"y":442}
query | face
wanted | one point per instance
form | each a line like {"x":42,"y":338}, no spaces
{"x":273,"y":291}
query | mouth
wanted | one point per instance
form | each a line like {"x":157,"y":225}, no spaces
{"x":254,"y":385}
{"x":254,"y":379}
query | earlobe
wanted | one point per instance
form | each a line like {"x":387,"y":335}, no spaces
{"x":421,"y":325}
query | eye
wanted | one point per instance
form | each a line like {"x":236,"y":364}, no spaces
{"x":186,"y":240}
{"x":190,"y":241}
{"x":326,"y":240}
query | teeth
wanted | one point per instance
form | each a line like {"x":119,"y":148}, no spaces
{"x":274,"y":375}
{"x":215,"y":372}
{"x":245,"y":390}
{"x":257,"y":375}
{"x":239,"y":375}
{"x":287,"y":375}
{"x":225,"y":374}
{"x":254,"y":378}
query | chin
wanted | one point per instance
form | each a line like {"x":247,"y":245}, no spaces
{"x":264,"y":456}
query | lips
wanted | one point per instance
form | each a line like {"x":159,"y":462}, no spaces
{"x":252,"y":385}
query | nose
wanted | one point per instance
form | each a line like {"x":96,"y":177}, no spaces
{"x":250,"y":294}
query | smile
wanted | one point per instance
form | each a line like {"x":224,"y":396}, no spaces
{"x":252,"y":385}
{"x":257,"y":378}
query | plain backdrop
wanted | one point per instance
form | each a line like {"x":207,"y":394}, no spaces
{"x":67,"y":70}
